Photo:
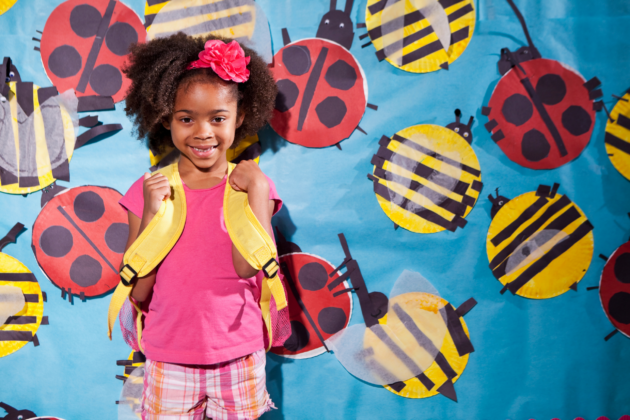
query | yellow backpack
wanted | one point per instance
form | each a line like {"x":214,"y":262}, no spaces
{"x":246,"y":232}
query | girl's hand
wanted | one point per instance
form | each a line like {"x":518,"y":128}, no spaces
{"x":155,"y":189}
{"x":248,"y":176}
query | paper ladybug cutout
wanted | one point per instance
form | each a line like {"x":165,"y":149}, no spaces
{"x":85,"y":44}
{"x":419,"y":36}
{"x":79,"y":240}
{"x":541,"y":113}
{"x":539,"y":244}
{"x":427,"y":178}
{"x":322,"y":89}
{"x":315,"y":312}
{"x":20,"y":322}
{"x":15,"y":414}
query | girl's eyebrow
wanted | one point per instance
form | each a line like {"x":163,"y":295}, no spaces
{"x":214,"y":111}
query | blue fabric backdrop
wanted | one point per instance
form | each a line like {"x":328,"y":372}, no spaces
{"x":532,"y":359}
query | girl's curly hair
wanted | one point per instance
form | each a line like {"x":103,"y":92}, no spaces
{"x":157,"y":69}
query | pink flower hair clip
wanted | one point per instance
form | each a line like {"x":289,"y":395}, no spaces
{"x":227,"y":60}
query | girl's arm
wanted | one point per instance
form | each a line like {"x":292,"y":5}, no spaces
{"x":155,"y":189}
{"x":248,"y":177}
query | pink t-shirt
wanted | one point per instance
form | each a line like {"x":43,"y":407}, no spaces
{"x":201,"y":311}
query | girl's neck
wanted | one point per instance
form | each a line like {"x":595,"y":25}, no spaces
{"x":202,"y":178}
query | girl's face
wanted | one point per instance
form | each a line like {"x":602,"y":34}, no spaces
{"x":205,"y":118}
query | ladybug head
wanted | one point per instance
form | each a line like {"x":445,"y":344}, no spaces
{"x":497,"y":202}
{"x":510,"y":59}
{"x":464,"y":130}
{"x":13,"y":414}
{"x":336,"y":25}
{"x":8,"y":71}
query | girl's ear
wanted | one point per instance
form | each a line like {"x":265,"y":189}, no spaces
{"x":166,"y":123}
{"x":239,"y":119}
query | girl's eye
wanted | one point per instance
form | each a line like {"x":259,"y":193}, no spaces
{"x":186,"y":120}
{"x":219,"y":119}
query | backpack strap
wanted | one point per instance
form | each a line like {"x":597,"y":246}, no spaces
{"x":255,"y":245}
{"x":153,"y":244}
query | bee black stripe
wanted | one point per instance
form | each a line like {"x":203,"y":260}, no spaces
{"x":154,"y":2}
{"x":16,"y":335}
{"x":409,"y":324}
{"x":428,"y":383}
{"x":18,"y":277}
{"x":172,"y":15}
{"x":395,"y":24}
{"x":438,"y":199}
{"x":422,"y":170}
{"x":460,"y":12}
{"x":531,"y":229}
{"x":89,"y":241}
{"x":568,"y":217}
{"x":213,"y":25}
{"x":559,"y":249}
{"x":408,"y":40}
{"x":393,"y":347}
{"x":311,"y":84}
{"x":448,"y":3}
{"x":148,"y":20}
{"x":287,"y":274}
{"x":460,"y":35}
{"x":623,"y":121}
{"x":55,"y":136}
{"x":31,"y":297}
{"x":419,"y":211}
{"x":617,"y":142}
{"x":375,"y":367}
{"x":445,"y":366}
{"x":422,"y":52}
{"x":252,"y":151}
{"x":21,"y":320}
{"x":433,"y":154}
{"x":456,"y":329}
{"x":522,"y":218}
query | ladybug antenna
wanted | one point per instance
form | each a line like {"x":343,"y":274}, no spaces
{"x":348,"y":8}
{"x":8,"y":408}
{"x":522,"y":20}
{"x":458,"y":115}
{"x":470,"y":121}
{"x":497,"y":192}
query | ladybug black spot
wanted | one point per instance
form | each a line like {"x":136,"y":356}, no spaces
{"x":297,"y":59}
{"x":341,"y":75}
{"x":551,"y":89}
{"x":106,"y":80}
{"x":85,"y":271}
{"x":619,"y":307}
{"x":84,"y":20}
{"x":288,"y":93}
{"x":313,"y":276}
{"x":116,"y":237}
{"x":65,"y":61}
{"x":331,"y":111}
{"x":89,"y":206}
{"x":331,"y":320}
{"x":535,"y":146}
{"x":56,"y":241}
{"x":576,"y":120}
{"x":119,"y":37}
{"x":299,"y":337}
{"x":622,"y":268}
{"x":517,"y":109}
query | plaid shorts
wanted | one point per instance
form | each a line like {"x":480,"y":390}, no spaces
{"x":232,"y":390}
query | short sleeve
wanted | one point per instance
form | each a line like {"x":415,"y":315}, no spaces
{"x":273,"y":195}
{"x":133,"y":200}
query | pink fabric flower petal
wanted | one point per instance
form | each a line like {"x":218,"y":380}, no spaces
{"x":228,"y":61}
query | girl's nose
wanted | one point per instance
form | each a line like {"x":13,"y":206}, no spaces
{"x":204,"y":131}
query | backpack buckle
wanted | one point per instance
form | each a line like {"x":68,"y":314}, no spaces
{"x":127,"y":275}
{"x":271,"y":268}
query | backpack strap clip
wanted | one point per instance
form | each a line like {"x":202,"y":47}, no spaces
{"x":270,"y":268}
{"x":128,"y":275}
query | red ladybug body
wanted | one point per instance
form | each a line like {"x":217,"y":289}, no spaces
{"x":614,"y":288}
{"x":85,"y":43}
{"x":79,"y":239}
{"x":322,"y":93}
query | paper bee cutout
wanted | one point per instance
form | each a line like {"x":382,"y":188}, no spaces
{"x":426,"y":177}
{"x":322,"y":89}
{"x":79,"y":240}
{"x":85,"y":44}
{"x":614,"y":290}
{"x":315,"y":312}
{"x":37,"y":137}
{"x":242,"y":20}
{"x":21,"y":302}
{"x":414,"y":342}
{"x":618,"y":135}
{"x":419,"y":36}
{"x":541,"y":113}
{"x":135,"y":359}
{"x":539,"y":244}
{"x":5,"y":5}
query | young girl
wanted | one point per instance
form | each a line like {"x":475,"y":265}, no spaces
{"x":203,"y":334}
